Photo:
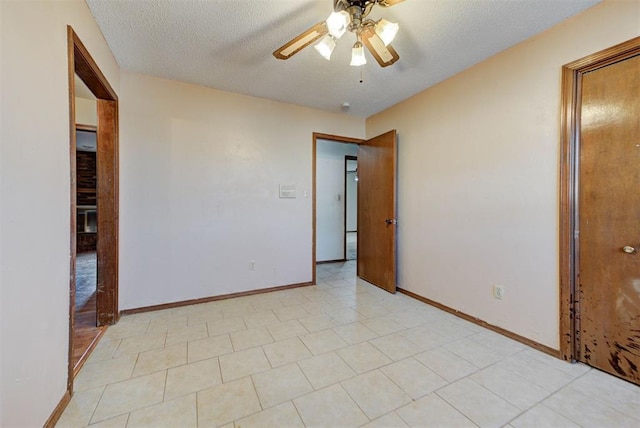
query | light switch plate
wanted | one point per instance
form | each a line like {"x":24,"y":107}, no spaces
{"x":287,"y":191}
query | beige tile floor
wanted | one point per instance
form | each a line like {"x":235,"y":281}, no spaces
{"x":342,"y":354}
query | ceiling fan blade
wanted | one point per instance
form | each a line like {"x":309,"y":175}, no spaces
{"x":302,"y":41}
{"x":385,"y":55}
{"x":389,"y":3}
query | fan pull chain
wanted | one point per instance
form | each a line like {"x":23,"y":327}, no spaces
{"x":361,"y":79}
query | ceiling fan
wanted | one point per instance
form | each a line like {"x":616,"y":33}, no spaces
{"x":349,"y":15}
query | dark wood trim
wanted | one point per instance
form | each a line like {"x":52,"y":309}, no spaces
{"x":88,"y":351}
{"x":347,"y":158}
{"x":88,"y":71}
{"x":344,"y":211}
{"x":73,"y":206}
{"x":338,"y":138}
{"x":539,"y":346}
{"x":607,"y":56}
{"x":213,"y":298}
{"x":325,"y":262}
{"x":315,"y":137}
{"x":107,"y":210}
{"x":314,"y":204}
{"x":567,"y":216}
{"x":569,"y":167}
{"x":88,"y":128}
{"x":57,"y":412}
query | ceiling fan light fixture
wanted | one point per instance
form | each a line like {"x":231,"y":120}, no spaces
{"x":326,"y":46}
{"x":337,"y":23}
{"x":349,"y":15}
{"x":386,"y":30}
{"x":357,"y":55}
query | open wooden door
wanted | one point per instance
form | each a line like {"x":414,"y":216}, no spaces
{"x":377,"y":211}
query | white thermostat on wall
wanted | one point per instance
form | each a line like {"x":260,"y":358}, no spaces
{"x":287,"y":191}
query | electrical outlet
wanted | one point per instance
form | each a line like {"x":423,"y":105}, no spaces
{"x":252,"y":265}
{"x":498,"y":292}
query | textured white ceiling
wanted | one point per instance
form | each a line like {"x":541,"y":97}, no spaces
{"x":228,"y":45}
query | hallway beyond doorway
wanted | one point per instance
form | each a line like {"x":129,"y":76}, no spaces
{"x":352,"y":246}
{"x":86,"y":332}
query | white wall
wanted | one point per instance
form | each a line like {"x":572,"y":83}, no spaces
{"x":330,"y":198}
{"x":478,"y":176}
{"x":86,"y":111}
{"x":352,"y":201}
{"x":200,"y":174}
{"x":35,"y":200}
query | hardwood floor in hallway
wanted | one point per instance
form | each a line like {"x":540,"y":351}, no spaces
{"x":86,"y":334}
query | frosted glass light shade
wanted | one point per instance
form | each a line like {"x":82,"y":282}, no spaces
{"x":337,"y":23}
{"x":326,"y":46}
{"x":387,"y":31}
{"x":357,"y":55}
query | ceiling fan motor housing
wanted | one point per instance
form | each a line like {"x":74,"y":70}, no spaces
{"x":357,"y":10}
{"x":339,"y":5}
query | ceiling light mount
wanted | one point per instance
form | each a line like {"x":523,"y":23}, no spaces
{"x":350,"y":15}
{"x":356,"y":15}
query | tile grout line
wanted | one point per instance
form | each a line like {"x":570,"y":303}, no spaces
{"x":568,"y":385}
{"x":164,"y":390}
{"x":255,"y":390}
{"x":456,"y":409}
{"x":298,"y":411}
{"x":104,"y":388}
{"x":541,"y":401}
{"x":198,"y":401}
{"x":353,"y":399}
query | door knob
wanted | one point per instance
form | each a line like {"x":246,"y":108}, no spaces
{"x":391,"y":221}
{"x":628,"y":249}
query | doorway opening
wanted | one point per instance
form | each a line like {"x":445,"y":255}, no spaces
{"x":351,"y":207}
{"x":94,"y":205}
{"x":333,"y":212}
{"x":376,"y":206}
{"x":330,"y":200}
{"x":86,"y":330}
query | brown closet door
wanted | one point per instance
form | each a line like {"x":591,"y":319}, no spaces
{"x":609,"y":220}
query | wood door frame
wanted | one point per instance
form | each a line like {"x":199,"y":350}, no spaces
{"x":569,"y":172}
{"x":347,"y":158}
{"x":315,"y":137}
{"x":81,"y":63}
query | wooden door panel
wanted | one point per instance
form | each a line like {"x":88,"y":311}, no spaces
{"x":609,"y":219}
{"x":376,"y":204}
